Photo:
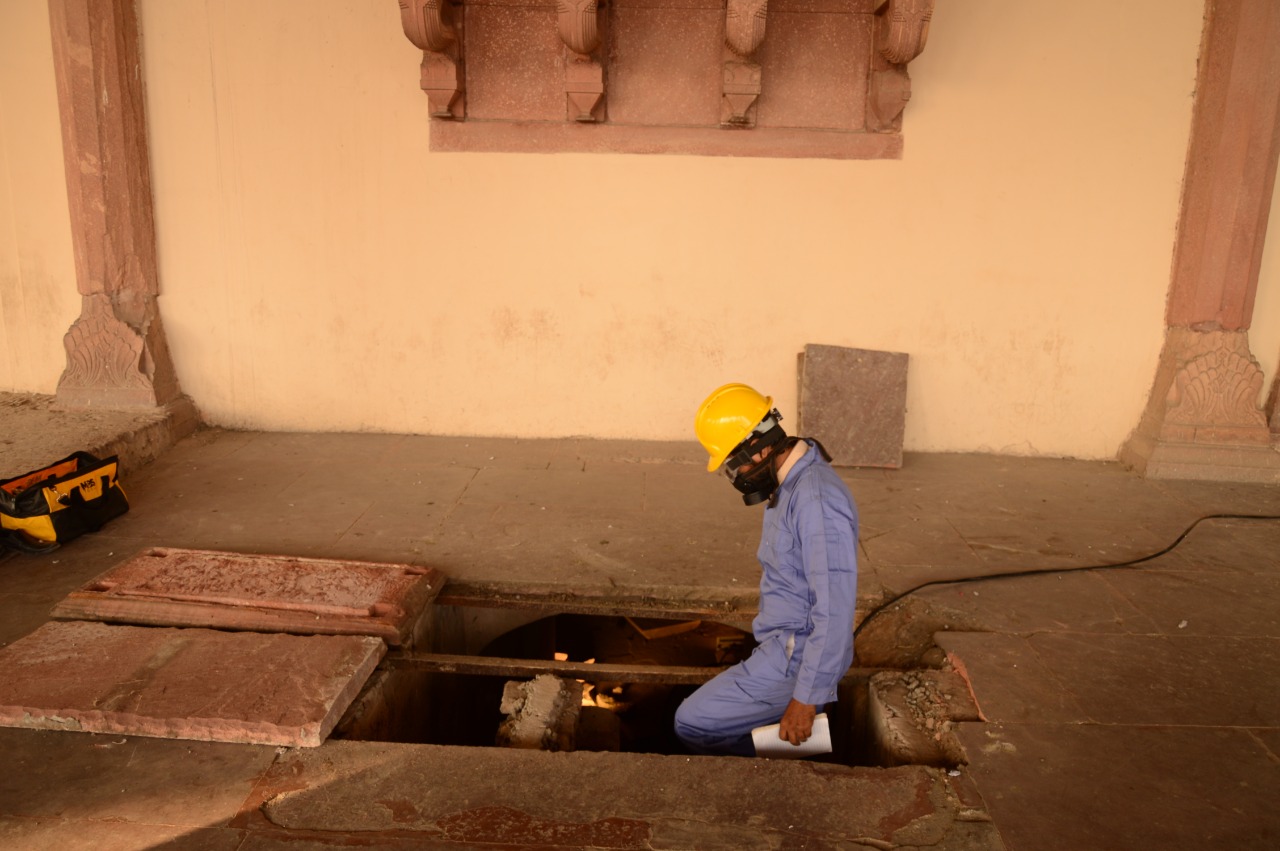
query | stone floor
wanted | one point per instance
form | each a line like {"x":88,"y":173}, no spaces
{"x":1128,"y":708}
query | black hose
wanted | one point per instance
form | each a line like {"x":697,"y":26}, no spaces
{"x":1037,"y":570}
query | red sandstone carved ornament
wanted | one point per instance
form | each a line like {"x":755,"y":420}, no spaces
{"x":578,"y":29}
{"x":105,"y":354}
{"x":901,"y":31}
{"x":744,"y":23}
{"x":424,"y":24}
{"x":1219,"y":386}
{"x":583,"y":76}
{"x":648,"y":123}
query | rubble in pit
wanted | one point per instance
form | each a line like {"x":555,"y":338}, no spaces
{"x":542,"y":714}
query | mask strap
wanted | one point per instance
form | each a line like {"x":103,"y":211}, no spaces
{"x":754,"y":443}
{"x":826,"y":456}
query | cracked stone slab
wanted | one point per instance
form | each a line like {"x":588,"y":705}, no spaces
{"x":604,"y":800}
{"x":165,"y":586}
{"x":256,"y":688}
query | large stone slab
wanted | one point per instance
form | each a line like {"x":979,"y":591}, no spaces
{"x":855,"y":402}
{"x":518,"y":798}
{"x":165,"y":586}
{"x":256,"y":688}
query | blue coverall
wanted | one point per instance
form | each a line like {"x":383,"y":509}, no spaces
{"x":808,"y":550}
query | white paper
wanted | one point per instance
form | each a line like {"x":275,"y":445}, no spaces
{"x":769,"y":745}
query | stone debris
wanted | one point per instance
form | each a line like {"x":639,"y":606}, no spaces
{"x":542,"y":714}
{"x":912,"y":714}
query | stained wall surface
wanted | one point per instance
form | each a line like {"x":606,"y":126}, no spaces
{"x":38,"y":295}
{"x":321,"y":270}
{"x":1264,"y":336}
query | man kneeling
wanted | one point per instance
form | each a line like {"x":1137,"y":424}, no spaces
{"x":808,"y":552}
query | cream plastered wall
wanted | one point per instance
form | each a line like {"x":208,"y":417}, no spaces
{"x":1264,"y":335}
{"x":38,"y":295}
{"x":321,"y":270}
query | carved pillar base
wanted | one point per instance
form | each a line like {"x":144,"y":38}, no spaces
{"x":1203,"y":420}
{"x":117,"y":357}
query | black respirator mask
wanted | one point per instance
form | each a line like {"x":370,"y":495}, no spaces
{"x":757,"y":482}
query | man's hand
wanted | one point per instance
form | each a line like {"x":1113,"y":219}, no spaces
{"x":797,"y":722}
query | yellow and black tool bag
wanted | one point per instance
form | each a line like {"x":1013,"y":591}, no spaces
{"x":44,"y":508}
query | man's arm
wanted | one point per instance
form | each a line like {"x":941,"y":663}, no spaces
{"x":828,"y":547}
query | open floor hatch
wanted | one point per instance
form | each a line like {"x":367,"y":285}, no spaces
{"x":206,"y":645}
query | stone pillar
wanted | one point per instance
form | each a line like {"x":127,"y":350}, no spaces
{"x":1204,"y":419}
{"x":1274,"y":407}
{"x":116,"y":350}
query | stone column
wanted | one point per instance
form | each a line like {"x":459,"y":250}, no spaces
{"x":1275,"y":408}
{"x":116,"y":350}
{"x":1204,"y":419}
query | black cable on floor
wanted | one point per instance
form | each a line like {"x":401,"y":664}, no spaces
{"x":1038,"y":570}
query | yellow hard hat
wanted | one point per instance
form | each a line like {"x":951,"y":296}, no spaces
{"x":727,"y":417}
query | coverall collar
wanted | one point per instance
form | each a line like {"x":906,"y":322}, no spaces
{"x":807,"y":459}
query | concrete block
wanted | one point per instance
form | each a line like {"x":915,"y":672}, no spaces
{"x":542,"y":713}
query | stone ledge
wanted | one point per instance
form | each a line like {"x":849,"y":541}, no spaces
{"x":38,"y":431}
{"x":1246,"y":463}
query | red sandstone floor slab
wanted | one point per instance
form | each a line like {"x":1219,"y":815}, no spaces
{"x":257,"y":688}
{"x":165,"y":586}
{"x":1069,"y":787}
{"x":52,"y":774}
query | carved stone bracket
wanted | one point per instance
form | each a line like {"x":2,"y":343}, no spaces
{"x":583,"y":75}
{"x":427,"y":24}
{"x":657,"y":76}
{"x":900,"y":33}
{"x":744,"y":25}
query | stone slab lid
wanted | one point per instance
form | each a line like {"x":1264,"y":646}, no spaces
{"x":210,"y":685}
{"x":165,"y":586}
{"x":855,"y":402}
